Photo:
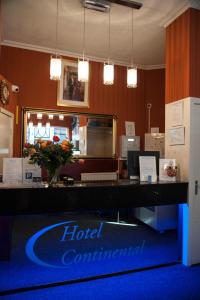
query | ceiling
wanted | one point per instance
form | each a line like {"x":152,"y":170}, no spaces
{"x":31,"y":24}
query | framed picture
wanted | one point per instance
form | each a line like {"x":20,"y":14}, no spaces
{"x":71,"y":92}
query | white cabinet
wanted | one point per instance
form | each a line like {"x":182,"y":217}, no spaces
{"x":187,"y":155}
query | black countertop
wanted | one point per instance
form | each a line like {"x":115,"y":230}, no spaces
{"x":26,"y":199}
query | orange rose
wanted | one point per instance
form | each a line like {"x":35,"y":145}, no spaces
{"x":32,"y":151}
{"x":49,"y":142}
{"x":65,"y":148}
{"x":65,"y":142}
{"x":43,"y":145}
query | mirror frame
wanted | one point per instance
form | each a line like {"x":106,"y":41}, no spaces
{"x":26,"y":110}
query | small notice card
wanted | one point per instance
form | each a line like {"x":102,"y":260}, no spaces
{"x":31,"y":172}
{"x":12,"y":170}
{"x":148,"y":168}
{"x":130,"y":128}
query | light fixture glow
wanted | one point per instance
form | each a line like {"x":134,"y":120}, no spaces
{"x":61,"y":117}
{"x":131,"y":77}
{"x":28,"y":115}
{"x":55,"y":68}
{"x":83,"y":70}
{"x":30,"y":124}
{"x":39,"y":124}
{"x":108,"y":74}
{"x":50,"y":117}
{"x":47,"y":124}
{"x":39,"y":116}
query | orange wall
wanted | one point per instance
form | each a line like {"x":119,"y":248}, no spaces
{"x":30,"y":70}
{"x":155,"y":94}
{"x":177,"y":59}
{"x":182,"y":57}
{"x":195,"y":53}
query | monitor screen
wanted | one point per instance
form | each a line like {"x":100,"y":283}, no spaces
{"x":133,"y":162}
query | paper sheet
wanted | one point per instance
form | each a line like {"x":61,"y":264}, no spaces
{"x":177,"y":136}
{"x":130,"y":128}
{"x":148,"y":168}
{"x":12,"y":170}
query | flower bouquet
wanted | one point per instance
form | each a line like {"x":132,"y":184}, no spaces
{"x":50,"y":155}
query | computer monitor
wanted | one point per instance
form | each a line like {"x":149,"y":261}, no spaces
{"x":133,"y":162}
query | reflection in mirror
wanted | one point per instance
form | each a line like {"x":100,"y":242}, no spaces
{"x":92,"y":135}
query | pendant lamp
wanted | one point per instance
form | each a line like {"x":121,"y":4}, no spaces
{"x":108,"y":73}
{"x":131,"y":77}
{"x":131,"y":70}
{"x":108,"y":70}
{"x":83,"y":64}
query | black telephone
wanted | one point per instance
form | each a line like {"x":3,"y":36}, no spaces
{"x":68,"y":179}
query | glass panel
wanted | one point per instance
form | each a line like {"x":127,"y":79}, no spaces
{"x":59,"y":247}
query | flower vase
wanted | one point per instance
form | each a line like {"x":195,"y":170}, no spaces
{"x":53,"y":177}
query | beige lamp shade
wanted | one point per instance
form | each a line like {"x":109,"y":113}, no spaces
{"x":108,"y":74}
{"x":83,"y":70}
{"x":131,"y":77}
{"x":55,"y":68}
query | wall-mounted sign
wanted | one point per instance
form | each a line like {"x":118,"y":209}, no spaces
{"x":176,"y":136}
{"x":176,"y":113}
{"x":130,"y":128}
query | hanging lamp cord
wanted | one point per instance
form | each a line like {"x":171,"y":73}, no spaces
{"x":84,"y":33}
{"x":109,"y":37}
{"x":132,"y":38}
{"x":56,"y":29}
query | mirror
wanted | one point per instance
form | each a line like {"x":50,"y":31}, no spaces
{"x":92,"y":135}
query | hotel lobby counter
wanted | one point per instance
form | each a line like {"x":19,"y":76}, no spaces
{"x":88,"y":196}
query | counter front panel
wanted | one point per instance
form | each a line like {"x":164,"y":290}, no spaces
{"x":89,"y":196}
{"x":63,"y":235}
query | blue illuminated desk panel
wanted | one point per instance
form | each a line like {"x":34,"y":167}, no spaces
{"x":70,"y":234}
